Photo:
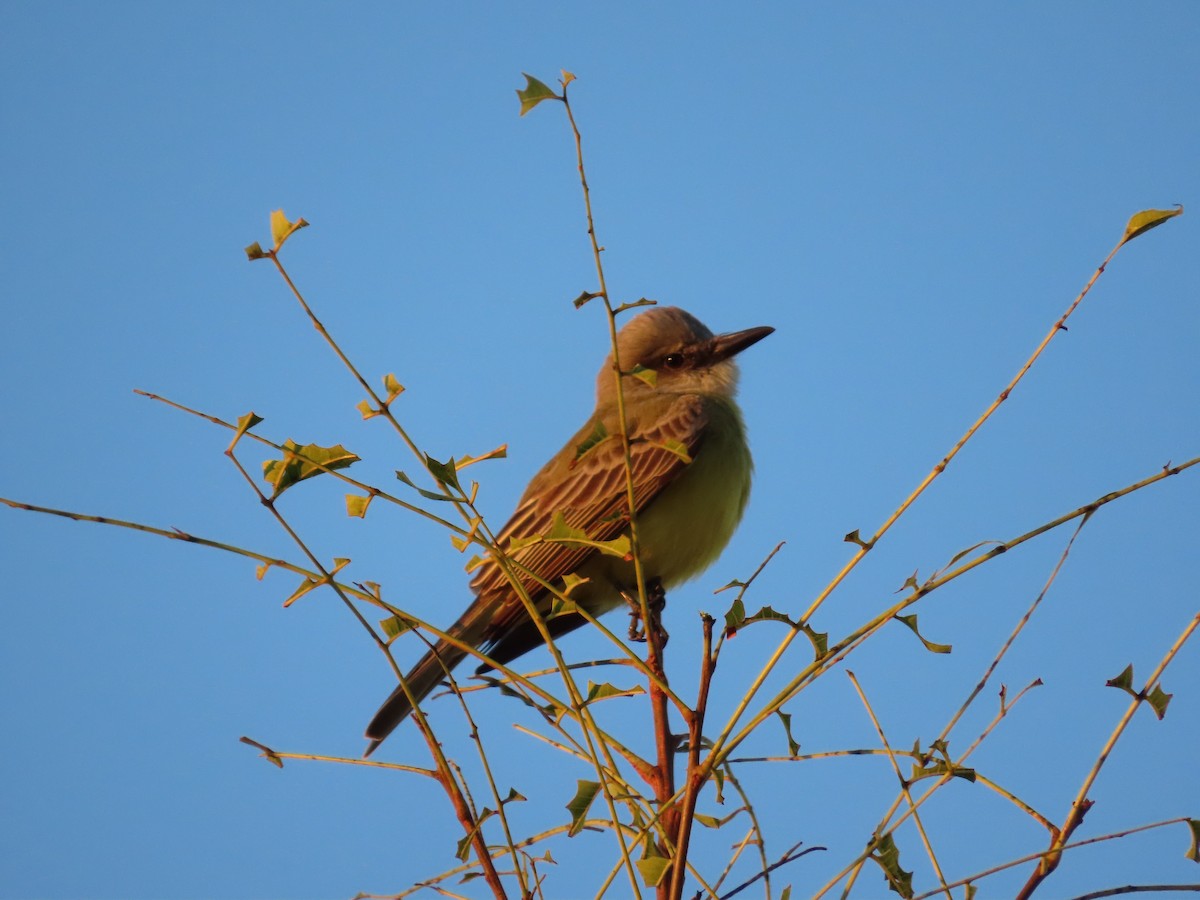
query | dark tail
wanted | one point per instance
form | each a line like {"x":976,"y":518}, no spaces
{"x":424,"y":677}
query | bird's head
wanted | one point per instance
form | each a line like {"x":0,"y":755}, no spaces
{"x":686,"y":356}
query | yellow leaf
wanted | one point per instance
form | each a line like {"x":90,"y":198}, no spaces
{"x":1142,"y":222}
{"x":392,"y":386}
{"x":356,"y":505}
{"x":499,"y":453}
{"x":280,"y":227}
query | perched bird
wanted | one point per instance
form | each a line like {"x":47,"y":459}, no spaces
{"x":691,"y":476}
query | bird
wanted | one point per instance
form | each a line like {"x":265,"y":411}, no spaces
{"x":691,"y":469}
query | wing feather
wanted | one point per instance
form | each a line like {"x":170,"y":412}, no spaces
{"x":591,"y":496}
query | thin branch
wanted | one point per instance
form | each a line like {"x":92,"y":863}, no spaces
{"x":1140,"y":889}
{"x":904,"y":785}
{"x":336,"y":473}
{"x":788,"y":857}
{"x":865,"y":546}
{"x":1013,"y":863}
{"x":810,"y":672}
{"x":1081,"y":804}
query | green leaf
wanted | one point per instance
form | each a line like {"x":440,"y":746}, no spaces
{"x":636,"y":820}
{"x":444,"y":472}
{"x":855,"y":538}
{"x":618,"y":547}
{"x":311,"y":582}
{"x":714,"y":822}
{"x":606,"y":690}
{"x":787,"y":893}
{"x":394,"y":626}
{"x":393,"y":387}
{"x":550,"y":711}
{"x":247,"y":421}
{"x":735,"y":617}
{"x":366,"y":409}
{"x":1194,"y":850}
{"x":431,"y":495}
{"x":971,"y":891}
{"x":534,"y":93}
{"x":244,"y":424}
{"x":887,"y":855}
{"x":305,"y":586}
{"x":572,"y":581}
{"x":673,"y":446}
{"x":267,"y":752}
{"x":578,"y":807}
{"x":300,"y":463}
{"x":719,"y":781}
{"x":584,"y":298}
{"x":465,"y":460}
{"x":462,"y":543}
{"x":1124,"y":681}
{"x":961,"y":553}
{"x":598,"y":435}
{"x":793,"y":744}
{"x":938,"y":768}
{"x":561,"y":607}
{"x":357,"y":505}
{"x":562,"y":533}
{"x":641,"y":373}
{"x":1158,"y":700}
{"x":1142,"y":222}
{"x":514,"y":796}
{"x":911,"y":622}
{"x":255,"y":251}
{"x":767,"y":614}
{"x":653,"y":869}
{"x":463,"y":851}
{"x":819,"y":640}
{"x":515,"y":545}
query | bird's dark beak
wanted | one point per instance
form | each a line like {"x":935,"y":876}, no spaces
{"x":727,"y":345}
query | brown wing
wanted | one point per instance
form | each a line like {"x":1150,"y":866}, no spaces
{"x":591,"y":495}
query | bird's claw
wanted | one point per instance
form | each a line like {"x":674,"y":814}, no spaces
{"x":656,"y":600}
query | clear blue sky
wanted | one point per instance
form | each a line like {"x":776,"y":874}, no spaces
{"x":910,"y":194}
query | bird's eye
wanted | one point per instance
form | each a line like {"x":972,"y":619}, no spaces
{"x":673,"y":361}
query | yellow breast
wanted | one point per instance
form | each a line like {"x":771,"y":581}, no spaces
{"x":688,"y":525}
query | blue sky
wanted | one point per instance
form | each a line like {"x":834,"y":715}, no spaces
{"x":910,"y":194}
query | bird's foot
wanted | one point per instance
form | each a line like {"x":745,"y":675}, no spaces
{"x":656,"y":599}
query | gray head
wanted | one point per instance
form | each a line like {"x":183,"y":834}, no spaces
{"x":685,"y":355}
